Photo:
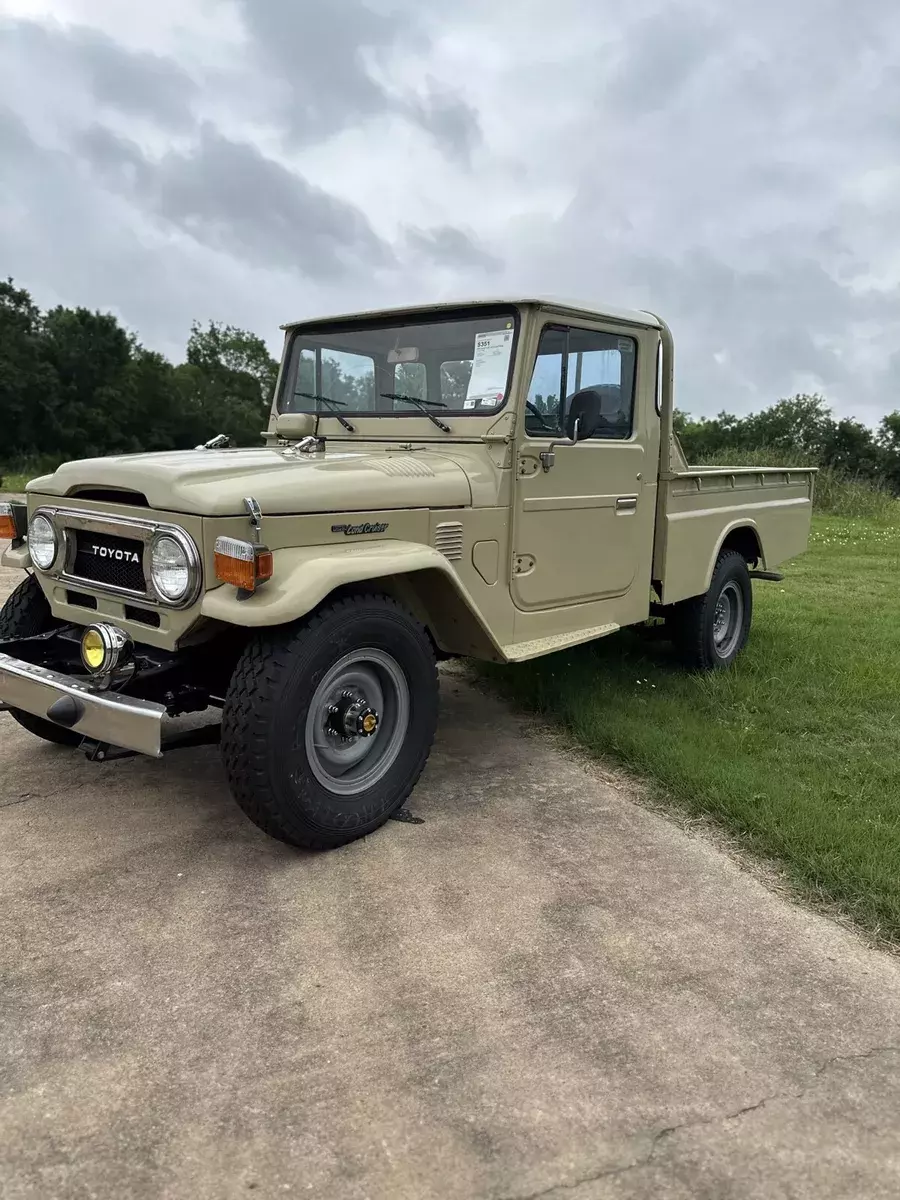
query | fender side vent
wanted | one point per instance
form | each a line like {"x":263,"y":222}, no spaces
{"x":448,"y":539}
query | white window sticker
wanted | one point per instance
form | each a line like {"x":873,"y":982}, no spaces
{"x":469,"y":403}
{"x":490,"y":366}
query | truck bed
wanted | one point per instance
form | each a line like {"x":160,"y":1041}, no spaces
{"x":699,"y":508}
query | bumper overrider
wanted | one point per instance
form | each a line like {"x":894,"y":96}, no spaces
{"x":102,"y":716}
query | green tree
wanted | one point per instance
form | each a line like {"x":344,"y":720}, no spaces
{"x":227,"y":382}
{"x":90,"y":353}
{"x":29,"y":384}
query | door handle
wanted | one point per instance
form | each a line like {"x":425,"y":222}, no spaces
{"x":626,"y":505}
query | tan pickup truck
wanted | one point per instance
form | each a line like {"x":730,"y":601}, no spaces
{"x":493,"y":479}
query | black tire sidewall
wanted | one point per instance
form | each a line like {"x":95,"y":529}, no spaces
{"x":304,"y":811}
{"x":26,"y":613}
{"x":730,"y":567}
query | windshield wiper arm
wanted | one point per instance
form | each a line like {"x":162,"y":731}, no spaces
{"x":335,"y":404}
{"x":421,"y":406}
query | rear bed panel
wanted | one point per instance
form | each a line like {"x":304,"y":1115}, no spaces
{"x":700,"y":507}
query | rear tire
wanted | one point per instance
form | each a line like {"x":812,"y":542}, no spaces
{"x":710,"y":631}
{"x":26,"y":613}
{"x":294,"y":743}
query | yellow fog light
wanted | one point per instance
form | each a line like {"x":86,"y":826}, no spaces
{"x":104,"y":648}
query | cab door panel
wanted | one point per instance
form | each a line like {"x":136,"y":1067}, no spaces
{"x":580,"y":525}
{"x":583,"y":529}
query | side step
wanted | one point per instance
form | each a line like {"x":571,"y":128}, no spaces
{"x":520,"y":651}
{"x":773,"y":576}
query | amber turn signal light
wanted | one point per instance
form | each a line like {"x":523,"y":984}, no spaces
{"x":9,"y":530}
{"x":244,"y":564}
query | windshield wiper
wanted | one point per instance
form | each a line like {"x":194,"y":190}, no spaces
{"x":335,"y":404}
{"x":420,"y":405}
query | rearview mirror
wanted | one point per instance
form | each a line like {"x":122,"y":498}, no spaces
{"x":403,"y":354}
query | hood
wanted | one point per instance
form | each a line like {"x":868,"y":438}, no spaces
{"x":214,"y":482}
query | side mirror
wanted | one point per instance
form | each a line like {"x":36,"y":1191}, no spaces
{"x":293,"y":427}
{"x":584,"y":414}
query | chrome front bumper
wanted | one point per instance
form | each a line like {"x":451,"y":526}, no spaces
{"x":103,"y":716}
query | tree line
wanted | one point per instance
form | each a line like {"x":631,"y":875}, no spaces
{"x":75,"y":383}
{"x":801,"y":428}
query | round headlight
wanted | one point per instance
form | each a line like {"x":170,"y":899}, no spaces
{"x":42,"y":542}
{"x":170,"y":568}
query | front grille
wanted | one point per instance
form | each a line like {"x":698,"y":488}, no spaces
{"x":109,"y":561}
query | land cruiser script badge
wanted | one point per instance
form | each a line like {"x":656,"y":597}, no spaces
{"x":351,"y":530}
{"x":118,"y":555}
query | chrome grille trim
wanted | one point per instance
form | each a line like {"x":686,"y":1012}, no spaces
{"x":65,"y":520}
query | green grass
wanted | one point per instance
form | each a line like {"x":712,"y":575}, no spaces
{"x":796,"y":748}
{"x":14,"y":476}
{"x":13,"y":484}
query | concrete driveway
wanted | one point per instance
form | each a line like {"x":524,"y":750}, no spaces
{"x":542,"y":991}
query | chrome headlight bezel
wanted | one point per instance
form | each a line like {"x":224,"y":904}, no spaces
{"x":192,"y":563}
{"x":45,"y":520}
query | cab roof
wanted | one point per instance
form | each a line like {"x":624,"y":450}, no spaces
{"x":581,"y":308}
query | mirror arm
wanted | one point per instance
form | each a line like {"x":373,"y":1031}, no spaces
{"x":548,"y":456}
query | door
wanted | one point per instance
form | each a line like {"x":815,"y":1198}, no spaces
{"x":584,"y":525}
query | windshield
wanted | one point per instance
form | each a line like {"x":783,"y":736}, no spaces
{"x":459,"y":364}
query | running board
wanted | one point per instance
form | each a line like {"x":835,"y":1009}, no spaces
{"x":773,"y":576}
{"x":520,"y":651}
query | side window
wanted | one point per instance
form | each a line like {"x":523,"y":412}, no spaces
{"x":605,"y":363}
{"x":573,"y":360}
{"x":543,"y":412}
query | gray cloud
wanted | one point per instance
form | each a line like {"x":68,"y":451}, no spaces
{"x":447,"y":246}
{"x":731,"y":168}
{"x":229,"y":196}
{"x":324,"y":54}
{"x":134,"y":82}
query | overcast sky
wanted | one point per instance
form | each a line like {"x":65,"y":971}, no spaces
{"x":733,"y":167}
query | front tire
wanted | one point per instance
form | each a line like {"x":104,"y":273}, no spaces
{"x":328,"y":724}
{"x":710,"y":631}
{"x":25,"y":614}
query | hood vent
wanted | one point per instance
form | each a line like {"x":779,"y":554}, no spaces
{"x":110,"y":496}
{"x":448,"y":539}
{"x":412,"y":468}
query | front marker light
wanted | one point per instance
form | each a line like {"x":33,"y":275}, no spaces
{"x":245,"y":564}
{"x":11,"y":529}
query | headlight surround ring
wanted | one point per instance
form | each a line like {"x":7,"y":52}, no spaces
{"x":43,"y":542}
{"x":174,"y":567}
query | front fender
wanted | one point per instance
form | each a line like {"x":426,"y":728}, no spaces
{"x":304,"y":577}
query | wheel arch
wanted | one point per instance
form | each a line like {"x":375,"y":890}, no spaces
{"x":743,"y":537}
{"x":415,"y":575}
